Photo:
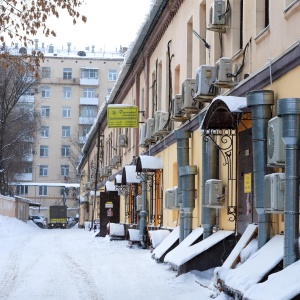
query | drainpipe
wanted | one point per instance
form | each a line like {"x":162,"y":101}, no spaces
{"x":182,"y":160}
{"x":289,"y":110}
{"x":187,"y":176}
{"x":260,"y":103}
{"x":210,"y":170}
{"x":143,"y":213}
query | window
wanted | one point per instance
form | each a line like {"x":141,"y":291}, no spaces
{"x":29,"y":92}
{"x":43,"y":170}
{"x":64,"y":170}
{"x":45,"y":111}
{"x":44,"y":131}
{"x":42,"y":190}
{"x":67,"y":73}
{"x":65,"y":151}
{"x":46,"y":72}
{"x":89,"y":111}
{"x":89,"y":93}
{"x":112,"y":75}
{"x":66,"y":131}
{"x":89,"y":73}
{"x":66,"y":93}
{"x":22,"y":190}
{"x":66,"y":112}
{"x":85,"y":129}
{"x":45,"y":92}
{"x":44,"y":151}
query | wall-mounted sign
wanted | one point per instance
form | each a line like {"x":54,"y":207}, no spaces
{"x":247,"y":183}
{"x":122,"y":116}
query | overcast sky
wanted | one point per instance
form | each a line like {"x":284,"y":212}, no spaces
{"x":110,"y":23}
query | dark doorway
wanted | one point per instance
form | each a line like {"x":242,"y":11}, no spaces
{"x":109,"y":210}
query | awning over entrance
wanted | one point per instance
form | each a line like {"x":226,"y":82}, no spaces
{"x":129,"y":175}
{"x":148,"y":163}
{"x":224,"y":112}
{"x":110,"y":186}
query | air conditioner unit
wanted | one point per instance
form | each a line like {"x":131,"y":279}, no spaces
{"x":87,"y":186}
{"x":150,"y":126}
{"x":139,"y":203}
{"x":123,"y":140}
{"x":205,"y":77}
{"x":190,"y":106}
{"x":213,"y":192}
{"x":169,"y":198}
{"x":217,"y":13}
{"x":161,"y":119}
{"x":275,"y":145}
{"x":177,"y":109}
{"x":105,"y":171}
{"x":112,"y":163}
{"x":142,"y":135}
{"x":274,"y":191}
{"x":224,"y":69}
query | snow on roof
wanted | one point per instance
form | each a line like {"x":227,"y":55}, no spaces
{"x":190,"y":252}
{"x":244,"y":240}
{"x":280,"y":285}
{"x":118,"y":178}
{"x":110,"y":186}
{"x":189,"y":240}
{"x":53,"y":184}
{"x":235,"y":104}
{"x":157,"y":236}
{"x":131,"y":175}
{"x":151,"y":162}
{"x":257,"y":266}
{"x":166,"y":244}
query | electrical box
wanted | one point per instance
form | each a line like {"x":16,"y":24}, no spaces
{"x":275,"y":145}
{"x":169,"y":198}
{"x":274,"y":191}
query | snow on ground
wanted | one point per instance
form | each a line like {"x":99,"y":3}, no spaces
{"x":74,"y":264}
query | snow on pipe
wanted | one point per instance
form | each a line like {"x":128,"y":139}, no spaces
{"x":260,"y":102}
{"x":182,"y":160}
{"x":210,"y":170}
{"x":289,"y":110}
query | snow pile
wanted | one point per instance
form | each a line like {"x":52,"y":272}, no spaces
{"x":157,"y":236}
{"x":11,"y":227}
{"x":134,"y":235}
{"x":116,"y":229}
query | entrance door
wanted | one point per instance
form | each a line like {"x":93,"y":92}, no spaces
{"x":246,"y":213}
{"x":109,"y":210}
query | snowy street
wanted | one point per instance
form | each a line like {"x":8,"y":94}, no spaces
{"x":74,"y":264}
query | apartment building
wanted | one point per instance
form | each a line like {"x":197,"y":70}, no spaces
{"x":74,"y":85}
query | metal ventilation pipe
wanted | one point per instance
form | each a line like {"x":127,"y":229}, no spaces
{"x":289,"y":110}
{"x":182,"y":160}
{"x":187,"y":176}
{"x":210,"y":170}
{"x":143,"y":212}
{"x":260,"y":103}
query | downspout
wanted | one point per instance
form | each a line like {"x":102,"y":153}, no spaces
{"x":143,"y":213}
{"x":289,"y":110}
{"x":260,"y":102}
{"x":210,"y":170}
{"x":182,"y":160}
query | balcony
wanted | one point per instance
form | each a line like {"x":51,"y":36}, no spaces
{"x":88,"y":101}
{"x":89,"y":81}
{"x":23,"y":177}
{"x":26,"y":99}
{"x":87,"y":120}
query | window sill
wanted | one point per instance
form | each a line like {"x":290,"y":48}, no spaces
{"x":291,"y":9}
{"x":262,"y":35}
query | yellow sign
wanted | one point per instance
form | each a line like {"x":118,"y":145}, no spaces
{"x":247,"y":183}
{"x":121,"y":116}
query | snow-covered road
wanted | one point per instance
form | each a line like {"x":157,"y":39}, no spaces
{"x":74,"y":264}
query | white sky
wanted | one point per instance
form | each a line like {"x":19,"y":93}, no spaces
{"x":74,"y":264}
{"x":110,"y":23}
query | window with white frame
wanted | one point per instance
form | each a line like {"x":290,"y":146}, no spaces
{"x":22,"y":190}
{"x":43,"y":170}
{"x":88,"y":111}
{"x":46,"y":72}
{"x":45,"y":92}
{"x":64,"y":170}
{"x":44,"y":132}
{"x":45,"y":111}
{"x":66,"y":92}
{"x":44,"y":151}
{"x":67,"y":73}
{"x":88,"y":93}
{"x":89,"y":73}
{"x":43,"y":190}
{"x":66,"y":112}
{"x":65,"y":151}
{"x":112,"y":75}
{"x":65,"y":131}
{"x":85,"y":129}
